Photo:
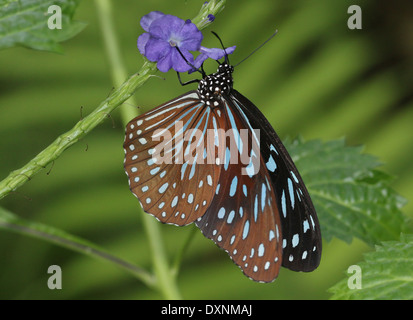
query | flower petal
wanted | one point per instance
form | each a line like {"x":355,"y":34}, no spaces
{"x":147,"y":19}
{"x":199,"y":61}
{"x":191,"y":37}
{"x":142,"y":41}
{"x":165,"y":63}
{"x":166,"y":26}
{"x":155,"y":49}
{"x":215,"y":53}
{"x":178,"y":63}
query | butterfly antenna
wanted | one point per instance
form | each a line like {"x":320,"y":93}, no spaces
{"x":223,"y":47}
{"x":259,"y":47}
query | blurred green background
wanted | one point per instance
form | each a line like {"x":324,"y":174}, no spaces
{"x":316,"y":78}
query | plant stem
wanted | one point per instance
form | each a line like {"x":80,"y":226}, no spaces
{"x":164,"y":275}
{"x":112,"y":48}
{"x":11,"y":222}
{"x":179,"y":255}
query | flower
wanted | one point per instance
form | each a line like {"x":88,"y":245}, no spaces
{"x":207,"y":21}
{"x":168,"y":38}
{"x":212,"y":53}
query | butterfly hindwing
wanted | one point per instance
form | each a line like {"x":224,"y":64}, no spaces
{"x":242,"y":218}
{"x":301,"y":239}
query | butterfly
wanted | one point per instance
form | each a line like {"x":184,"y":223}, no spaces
{"x":210,"y":157}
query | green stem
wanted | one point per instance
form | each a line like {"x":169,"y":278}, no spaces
{"x":112,"y":48}
{"x":178,"y":258}
{"x":166,"y":280}
{"x":11,"y":222}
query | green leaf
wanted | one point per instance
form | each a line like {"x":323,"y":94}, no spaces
{"x":352,"y":198}
{"x":25,"y":23}
{"x":11,"y":222}
{"x":386,"y":273}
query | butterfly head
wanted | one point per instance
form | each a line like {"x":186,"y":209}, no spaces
{"x":213,"y":86}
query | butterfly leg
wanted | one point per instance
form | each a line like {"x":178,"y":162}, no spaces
{"x":188,"y":82}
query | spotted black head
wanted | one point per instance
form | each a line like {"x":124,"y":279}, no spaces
{"x":211,"y":87}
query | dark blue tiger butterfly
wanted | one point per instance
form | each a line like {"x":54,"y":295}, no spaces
{"x":259,"y":211}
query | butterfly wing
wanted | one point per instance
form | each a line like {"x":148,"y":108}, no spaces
{"x":301,"y":236}
{"x":242,"y":218}
{"x":259,"y":211}
{"x":165,"y":160}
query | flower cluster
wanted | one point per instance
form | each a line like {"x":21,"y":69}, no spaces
{"x":168,"y":39}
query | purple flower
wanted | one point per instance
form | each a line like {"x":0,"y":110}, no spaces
{"x":165,"y":34}
{"x":212,"y":53}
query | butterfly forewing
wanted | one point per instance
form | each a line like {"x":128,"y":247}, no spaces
{"x":301,"y":241}
{"x":166,"y":161}
{"x":242,"y":218}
